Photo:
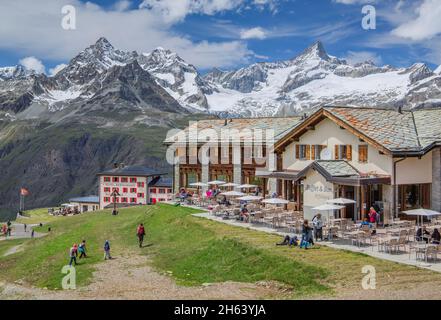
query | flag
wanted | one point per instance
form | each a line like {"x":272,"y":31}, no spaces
{"x":24,"y":191}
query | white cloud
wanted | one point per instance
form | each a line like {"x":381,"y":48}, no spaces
{"x":354,"y":57}
{"x":174,"y":11}
{"x":32,"y":63}
{"x":253,"y":33}
{"x":426,"y":25}
{"x":53,"y":71}
{"x":39,"y":32}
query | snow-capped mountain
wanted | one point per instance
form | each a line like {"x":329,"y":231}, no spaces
{"x":180,"y":79}
{"x":315,"y":78}
{"x":102,"y":79}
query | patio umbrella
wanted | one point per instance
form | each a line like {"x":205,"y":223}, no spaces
{"x":275,"y":201}
{"x":216,"y":182}
{"x":250,"y":198}
{"x":229,"y":184}
{"x":232,"y":194}
{"x":199,"y":184}
{"x":327,"y":208}
{"x":341,"y":201}
{"x":422,"y":213}
{"x":246,"y":186}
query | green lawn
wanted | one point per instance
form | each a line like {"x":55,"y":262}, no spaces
{"x":197,"y":251}
{"x":36,"y":216}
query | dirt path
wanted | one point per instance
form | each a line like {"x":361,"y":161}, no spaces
{"x":132,"y":278}
{"x":13,"y":250}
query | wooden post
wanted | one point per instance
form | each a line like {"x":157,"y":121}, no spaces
{"x":363,"y":200}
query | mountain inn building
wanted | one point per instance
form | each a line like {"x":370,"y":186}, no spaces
{"x":391,"y":158}
{"x":135,"y":185}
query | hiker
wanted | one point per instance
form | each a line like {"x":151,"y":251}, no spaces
{"x":25,"y":226}
{"x":82,"y":249}
{"x":318,"y":227}
{"x":140,"y":232}
{"x":372,"y":215}
{"x":306,"y":235}
{"x":107,"y":250}
{"x":32,"y":233}
{"x":73,"y":253}
{"x":288,"y":241}
{"x":9,"y":229}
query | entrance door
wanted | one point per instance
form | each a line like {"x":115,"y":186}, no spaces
{"x":347,"y":192}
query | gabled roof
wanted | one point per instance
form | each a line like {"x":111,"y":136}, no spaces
{"x":389,"y":131}
{"x":281,"y":126}
{"x":139,"y":171}
{"x":161,"y":182}
{"x":335,"y":171}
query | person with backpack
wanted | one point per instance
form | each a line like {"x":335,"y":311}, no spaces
{"x":140,"y":232}
{"x":73,"y":253}
{"x":317,"y":223}
{"x":82,"y":249}
{"x":107,"y":250}
{"x":306,"y":235}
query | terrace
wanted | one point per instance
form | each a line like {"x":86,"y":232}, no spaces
{"x":397,"y":241}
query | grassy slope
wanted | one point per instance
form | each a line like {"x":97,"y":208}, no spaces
{"x":197,"y":251}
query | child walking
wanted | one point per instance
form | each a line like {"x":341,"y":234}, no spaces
{"x":82,"y":249}
{"x":107,"y":250}
{"x":73,"y":253}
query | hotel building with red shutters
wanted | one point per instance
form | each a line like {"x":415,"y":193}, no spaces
{"x":135,"y":185}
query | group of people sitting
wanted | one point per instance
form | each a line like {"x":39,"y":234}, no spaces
{"x":423,"y":234}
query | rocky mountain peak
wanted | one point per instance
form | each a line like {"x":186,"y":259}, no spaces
{"x":316,"y":50}
{"x":15,"y":72}
{"x":418,"y":71}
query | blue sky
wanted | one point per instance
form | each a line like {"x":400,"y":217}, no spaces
{"x":223,"y":33}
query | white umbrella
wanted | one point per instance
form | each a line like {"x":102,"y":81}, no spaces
{"x":216,"y":182}
{"x":422,"y":213}
{"x":328,"y":207}
{"x":246,"y":186}
{"x":229,"y":184}
{"x":232,"y":194}
{"x":250,"y":198}
{"x":198,"y":184}
{"x":275,"y":201}
{"x":341,"y":201}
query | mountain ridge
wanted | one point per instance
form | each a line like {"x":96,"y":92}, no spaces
{"x":306,"y":81}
